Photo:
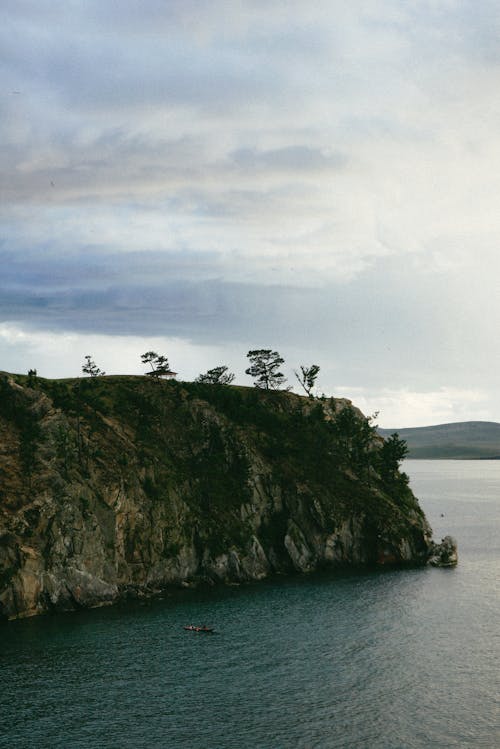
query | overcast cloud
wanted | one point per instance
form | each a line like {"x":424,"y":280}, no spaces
{"x":204,"y":178}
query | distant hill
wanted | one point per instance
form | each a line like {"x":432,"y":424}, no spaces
{"x":472,"y":440}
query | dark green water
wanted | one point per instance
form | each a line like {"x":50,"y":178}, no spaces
{"x":378,"y":660}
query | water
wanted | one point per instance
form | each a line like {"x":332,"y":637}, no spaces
{"x":380,"y":660}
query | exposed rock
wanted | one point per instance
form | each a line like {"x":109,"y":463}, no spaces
{"x":444,"y":554}
{"x":119,"y":486}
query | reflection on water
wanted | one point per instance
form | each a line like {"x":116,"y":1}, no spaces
{"x":376,"y":660}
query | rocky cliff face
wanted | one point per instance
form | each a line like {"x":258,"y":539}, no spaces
{"x":116,"y":486}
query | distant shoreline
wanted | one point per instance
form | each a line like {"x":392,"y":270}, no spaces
{"x":460,"y":457}
{"x":466,"y":440}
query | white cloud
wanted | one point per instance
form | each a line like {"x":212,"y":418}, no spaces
{"x":401,"y":408}
{"x":60,"y":354}
{"x":350,"y":149}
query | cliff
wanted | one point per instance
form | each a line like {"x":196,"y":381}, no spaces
{"x":116,"y":486}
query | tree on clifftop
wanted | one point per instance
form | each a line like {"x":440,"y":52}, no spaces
{"x":91,"y":368}
{"x":216,"y":376}
{"x":307,"y":377}
{"x":355,"y":436}
{"x":265,"y":368}
{"x":393,"y":452}
{"x":159,"y":364}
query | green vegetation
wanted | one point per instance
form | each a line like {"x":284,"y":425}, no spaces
{"x":264,"y":367}
{"x":197,"y":433}
{"x":307,"y":377}
{"x":216,"y":376}
{"x":158,"y":363}
{"x":393,"y":452}
{"x":21,"y":410}
{"x":91,"y":368}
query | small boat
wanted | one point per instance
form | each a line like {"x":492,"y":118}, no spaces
{"x":197,"y":628}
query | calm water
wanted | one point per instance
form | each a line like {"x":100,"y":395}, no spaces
{"x":378,"y":660}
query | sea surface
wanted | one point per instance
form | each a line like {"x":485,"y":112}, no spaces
{"x":375,"y":660}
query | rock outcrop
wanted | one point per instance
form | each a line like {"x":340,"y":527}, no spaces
{"x":117,"y":486}
{"x":444,"y":554}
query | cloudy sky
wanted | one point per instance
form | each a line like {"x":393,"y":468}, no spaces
{"x":203,"y":178}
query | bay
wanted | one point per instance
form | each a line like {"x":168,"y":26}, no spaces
{"x":396,"y":659}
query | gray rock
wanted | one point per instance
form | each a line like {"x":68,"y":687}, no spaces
{"x":444,"y":554}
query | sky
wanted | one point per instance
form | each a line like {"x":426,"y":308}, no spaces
{"x":205,"y":178}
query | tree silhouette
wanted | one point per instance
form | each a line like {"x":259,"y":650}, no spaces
{"x":216,"y":376}
{"x":307,"y":377}
{"x":265,"y":368}
{"x":393,"y":452}
{"x":159,"y":364}
{"x":91,"y":368}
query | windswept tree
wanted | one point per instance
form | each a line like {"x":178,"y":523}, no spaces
{"x":158,"y":363}
{"x":91,"y":368}
{"x":216,"y":376}
{"x":307,"y":377}
{"x":264,"y":367}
